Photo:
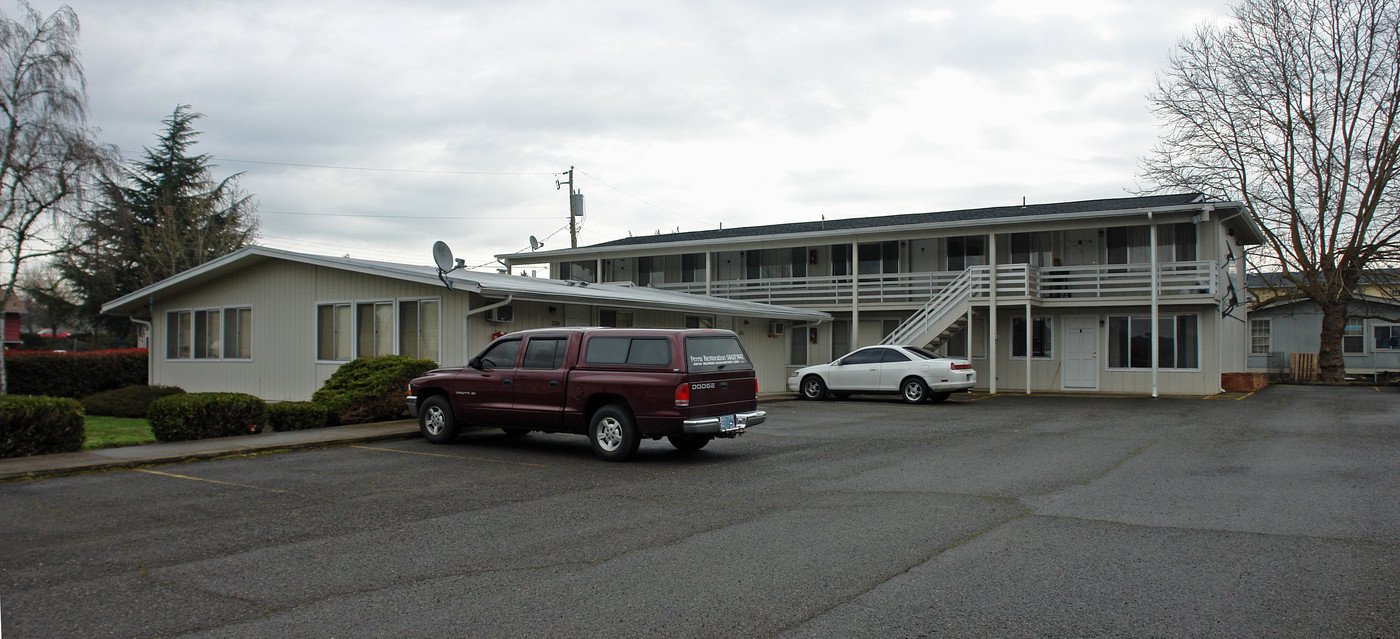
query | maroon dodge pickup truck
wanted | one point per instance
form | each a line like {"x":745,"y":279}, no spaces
{"x":614,"y":385}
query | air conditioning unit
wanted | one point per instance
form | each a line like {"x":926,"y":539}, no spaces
{"x":501,"y":314}
{"x":775,"y":328}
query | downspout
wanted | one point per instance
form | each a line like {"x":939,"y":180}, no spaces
{"x":467,"y":323}
{"x":150,"y":347}
{"x":855,"y":296}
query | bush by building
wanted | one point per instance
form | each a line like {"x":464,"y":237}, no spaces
{"x":57,"y":374}
{"x":370,"y":389}
{"x":284,"y":416}
{"x":189,"y":416}
{"x":129,"y":401}
{"x":39,"y":425}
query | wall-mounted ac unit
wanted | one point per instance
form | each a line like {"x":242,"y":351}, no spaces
{"x":775,"y":328}
{"x":501,"y":314}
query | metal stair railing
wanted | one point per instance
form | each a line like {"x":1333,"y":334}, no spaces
{"x":951,"y":297}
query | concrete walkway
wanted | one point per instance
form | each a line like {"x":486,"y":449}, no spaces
{"x":165,"y":453}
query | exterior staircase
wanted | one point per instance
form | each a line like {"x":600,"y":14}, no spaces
{"x":942,"y":317}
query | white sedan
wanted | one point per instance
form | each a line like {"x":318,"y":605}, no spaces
{"x":914,"y":373}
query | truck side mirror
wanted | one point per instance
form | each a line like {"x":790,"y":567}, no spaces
{"x":475,"y":362}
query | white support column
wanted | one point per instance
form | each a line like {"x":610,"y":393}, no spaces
{"x":1156,"y":343}
{"x":969,"y":332}
{"x":598,"y":270}
{"x":855,"y":297}
{"x":708,"y":275}
{"x":992,"y":308}
{"x":1029,"y":343}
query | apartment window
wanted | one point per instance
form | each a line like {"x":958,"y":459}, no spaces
{"x":797,"y":347}
{"x":238,"y":333}
{"x":1030,"y":248}
{"x":840,"y":259}
{"x":1131,"y":244}
{"x":177,"y":335}
{"x":966,"y":251}
{"x":217,"y":333}
{"x":207,"y":335}
{"x":878,"y":257}
{"x":699,"y":321}
{"x":334,"y":332}
{"x":374,"y":329}
{"x":840,"y":338}
{"x":614,"y":318}
{"x":693,"y":267}
{"x":1354,"y":338}
{"x":1387,"y":337}
{"x":1260,"y":336}
{"x":582,"y":271}
{"x":1130,"y":342}
{"x":419,"y":325}
{"x":1041,"y":334}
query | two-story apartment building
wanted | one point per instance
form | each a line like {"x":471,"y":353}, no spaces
{"x":1139,"y":294}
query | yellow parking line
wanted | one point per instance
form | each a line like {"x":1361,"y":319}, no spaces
{"x":210,"y":481}
{"x":484,"y":459}
{"x":1247,"y":395}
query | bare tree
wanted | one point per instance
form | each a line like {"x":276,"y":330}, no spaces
{"x":1290,"y":107}
{"x":48,"y":154}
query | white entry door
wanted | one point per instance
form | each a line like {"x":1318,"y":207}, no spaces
{"x":1081,"y":352}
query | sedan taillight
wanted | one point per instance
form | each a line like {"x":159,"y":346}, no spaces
{"x":683,"y":395}
{"x":962,"y":367}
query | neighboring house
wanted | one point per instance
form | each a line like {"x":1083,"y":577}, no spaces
{"x":1075,"y":285}
{"x":276,"y":323}
{"x":14,"y":316}
{"x":1282,"y":325}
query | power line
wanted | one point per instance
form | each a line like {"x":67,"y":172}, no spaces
{"x":651,"y":204}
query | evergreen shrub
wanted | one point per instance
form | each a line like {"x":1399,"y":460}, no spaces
{"x":370,"y":389}
{"x":189,"y":416}
{"x":283,"y":416}
{"x":129,"y":401}
{"x":58,"y":374}
{"x":39,"y":425}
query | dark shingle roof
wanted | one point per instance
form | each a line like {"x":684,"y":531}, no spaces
{"x":964,"y":215}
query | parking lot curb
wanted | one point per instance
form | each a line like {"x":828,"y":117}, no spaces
{"x":174,"y":452}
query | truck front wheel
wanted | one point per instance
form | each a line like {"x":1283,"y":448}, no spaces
{"x":435,"y":420}
{"x":613,"y":433}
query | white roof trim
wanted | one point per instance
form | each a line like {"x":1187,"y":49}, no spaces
{"x":486,"y":284}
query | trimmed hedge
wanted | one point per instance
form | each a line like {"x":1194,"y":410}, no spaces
{"x":130,"y":401}
{"x":283,"y":416}
{"x":73,"y":374}
{"x":39,"y":425}
{"x":370,"y":389}
{"x":189,"y":416}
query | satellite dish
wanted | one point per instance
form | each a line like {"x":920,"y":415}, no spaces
{"x":443,"y":256}
{"x":535,"y":244}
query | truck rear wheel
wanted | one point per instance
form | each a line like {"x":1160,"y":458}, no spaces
{"x":688,"y":443}
{"x":435,"y":420}
{"x":613,"y":433}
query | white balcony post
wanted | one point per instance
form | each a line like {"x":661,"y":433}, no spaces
{"x":708,"y":276}
{"x":855,"y":296}
{"x":1029,"y":342}
{"x":1156,"y":339}
{"x":992,"y":308}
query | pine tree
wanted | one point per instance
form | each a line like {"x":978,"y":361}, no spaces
{"x":166,"y":216}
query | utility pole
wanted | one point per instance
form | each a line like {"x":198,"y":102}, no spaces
{"x":575,"y":205}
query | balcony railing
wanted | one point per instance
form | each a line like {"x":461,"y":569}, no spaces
{"x":1175,"y":279}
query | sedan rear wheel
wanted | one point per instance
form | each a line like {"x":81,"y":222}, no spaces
{"x":813,"y":387}
{"x":914,"y":390}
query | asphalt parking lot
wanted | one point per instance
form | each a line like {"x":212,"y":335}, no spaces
{"x":1274,"y":514}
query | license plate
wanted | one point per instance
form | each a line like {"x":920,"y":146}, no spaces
{"x":727,"y":422}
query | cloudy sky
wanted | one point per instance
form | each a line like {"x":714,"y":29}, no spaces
{"x":373,"y":128}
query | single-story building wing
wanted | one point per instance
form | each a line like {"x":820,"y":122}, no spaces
{"x":277,"y":324}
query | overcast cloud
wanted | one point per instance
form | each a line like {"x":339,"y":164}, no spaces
{"x":451,"y":119}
